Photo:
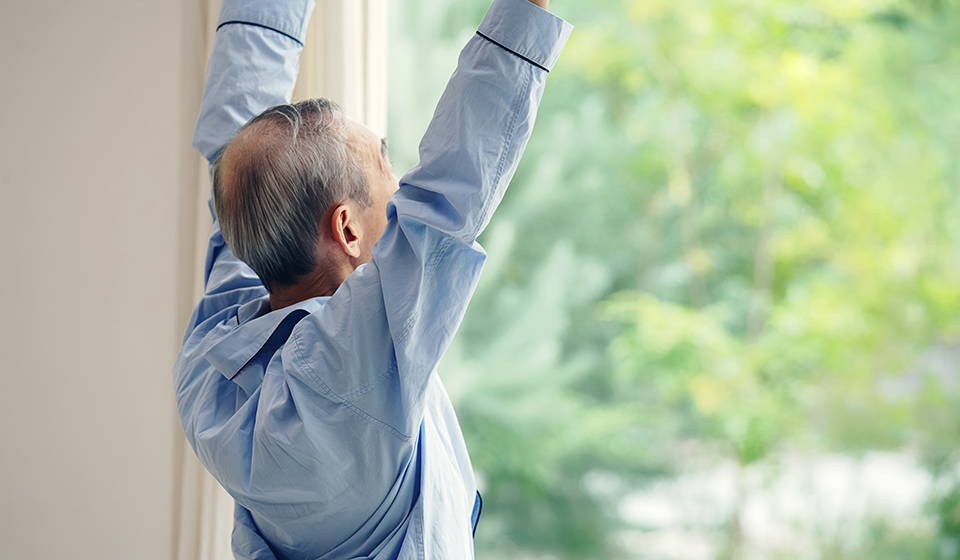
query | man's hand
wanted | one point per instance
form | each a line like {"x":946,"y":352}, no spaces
{"x":542,"y":3}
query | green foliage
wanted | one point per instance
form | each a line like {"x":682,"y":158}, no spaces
{"x":737,"y":227}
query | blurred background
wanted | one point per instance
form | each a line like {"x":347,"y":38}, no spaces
{"x":720,"y":318}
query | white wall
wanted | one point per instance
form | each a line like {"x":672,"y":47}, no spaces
{"x":97,"y":227}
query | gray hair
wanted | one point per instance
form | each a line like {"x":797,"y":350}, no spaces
{"x":270,"y":216}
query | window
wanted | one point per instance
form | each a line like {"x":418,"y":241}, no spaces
{"x":721,"y":307}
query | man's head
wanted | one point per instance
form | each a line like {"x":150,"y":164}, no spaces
{"x":300,"y":193}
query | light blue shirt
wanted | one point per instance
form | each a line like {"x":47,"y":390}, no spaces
{"x":326,"y":420}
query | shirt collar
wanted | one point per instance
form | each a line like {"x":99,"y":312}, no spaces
{"x":252,"y":327}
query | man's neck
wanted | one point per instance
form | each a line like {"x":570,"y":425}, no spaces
{"x":317,"y":284}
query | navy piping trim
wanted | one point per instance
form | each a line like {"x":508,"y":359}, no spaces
{"x":240,"y":22}
{"x":477,"y":508}
{"x":540,"y":66}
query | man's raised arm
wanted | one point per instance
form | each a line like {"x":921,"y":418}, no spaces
{"x":484,"y":118}
{"x":427,"y":262}
{"x":253,"y":66}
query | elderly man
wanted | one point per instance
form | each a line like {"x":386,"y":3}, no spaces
{"x":306,"y":383}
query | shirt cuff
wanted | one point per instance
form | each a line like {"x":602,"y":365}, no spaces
{"x":527,"y":30}
{"x":289,"y":17}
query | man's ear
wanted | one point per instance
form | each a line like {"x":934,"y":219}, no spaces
{"x":345,"y":229}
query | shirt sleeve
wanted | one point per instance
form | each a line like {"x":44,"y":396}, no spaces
{"x":253,"y":66}
{"x":374,"y":345}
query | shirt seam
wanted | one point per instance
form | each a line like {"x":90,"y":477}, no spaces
{"x":429,"y":269}
{"x":324,"y":388}
{"x":507,"y":140}
{"x":421,"y":553}
{"x":372,"y":385}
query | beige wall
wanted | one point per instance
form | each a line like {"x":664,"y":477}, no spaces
{"x":102,"y":227}
{"x":97,"y":227}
